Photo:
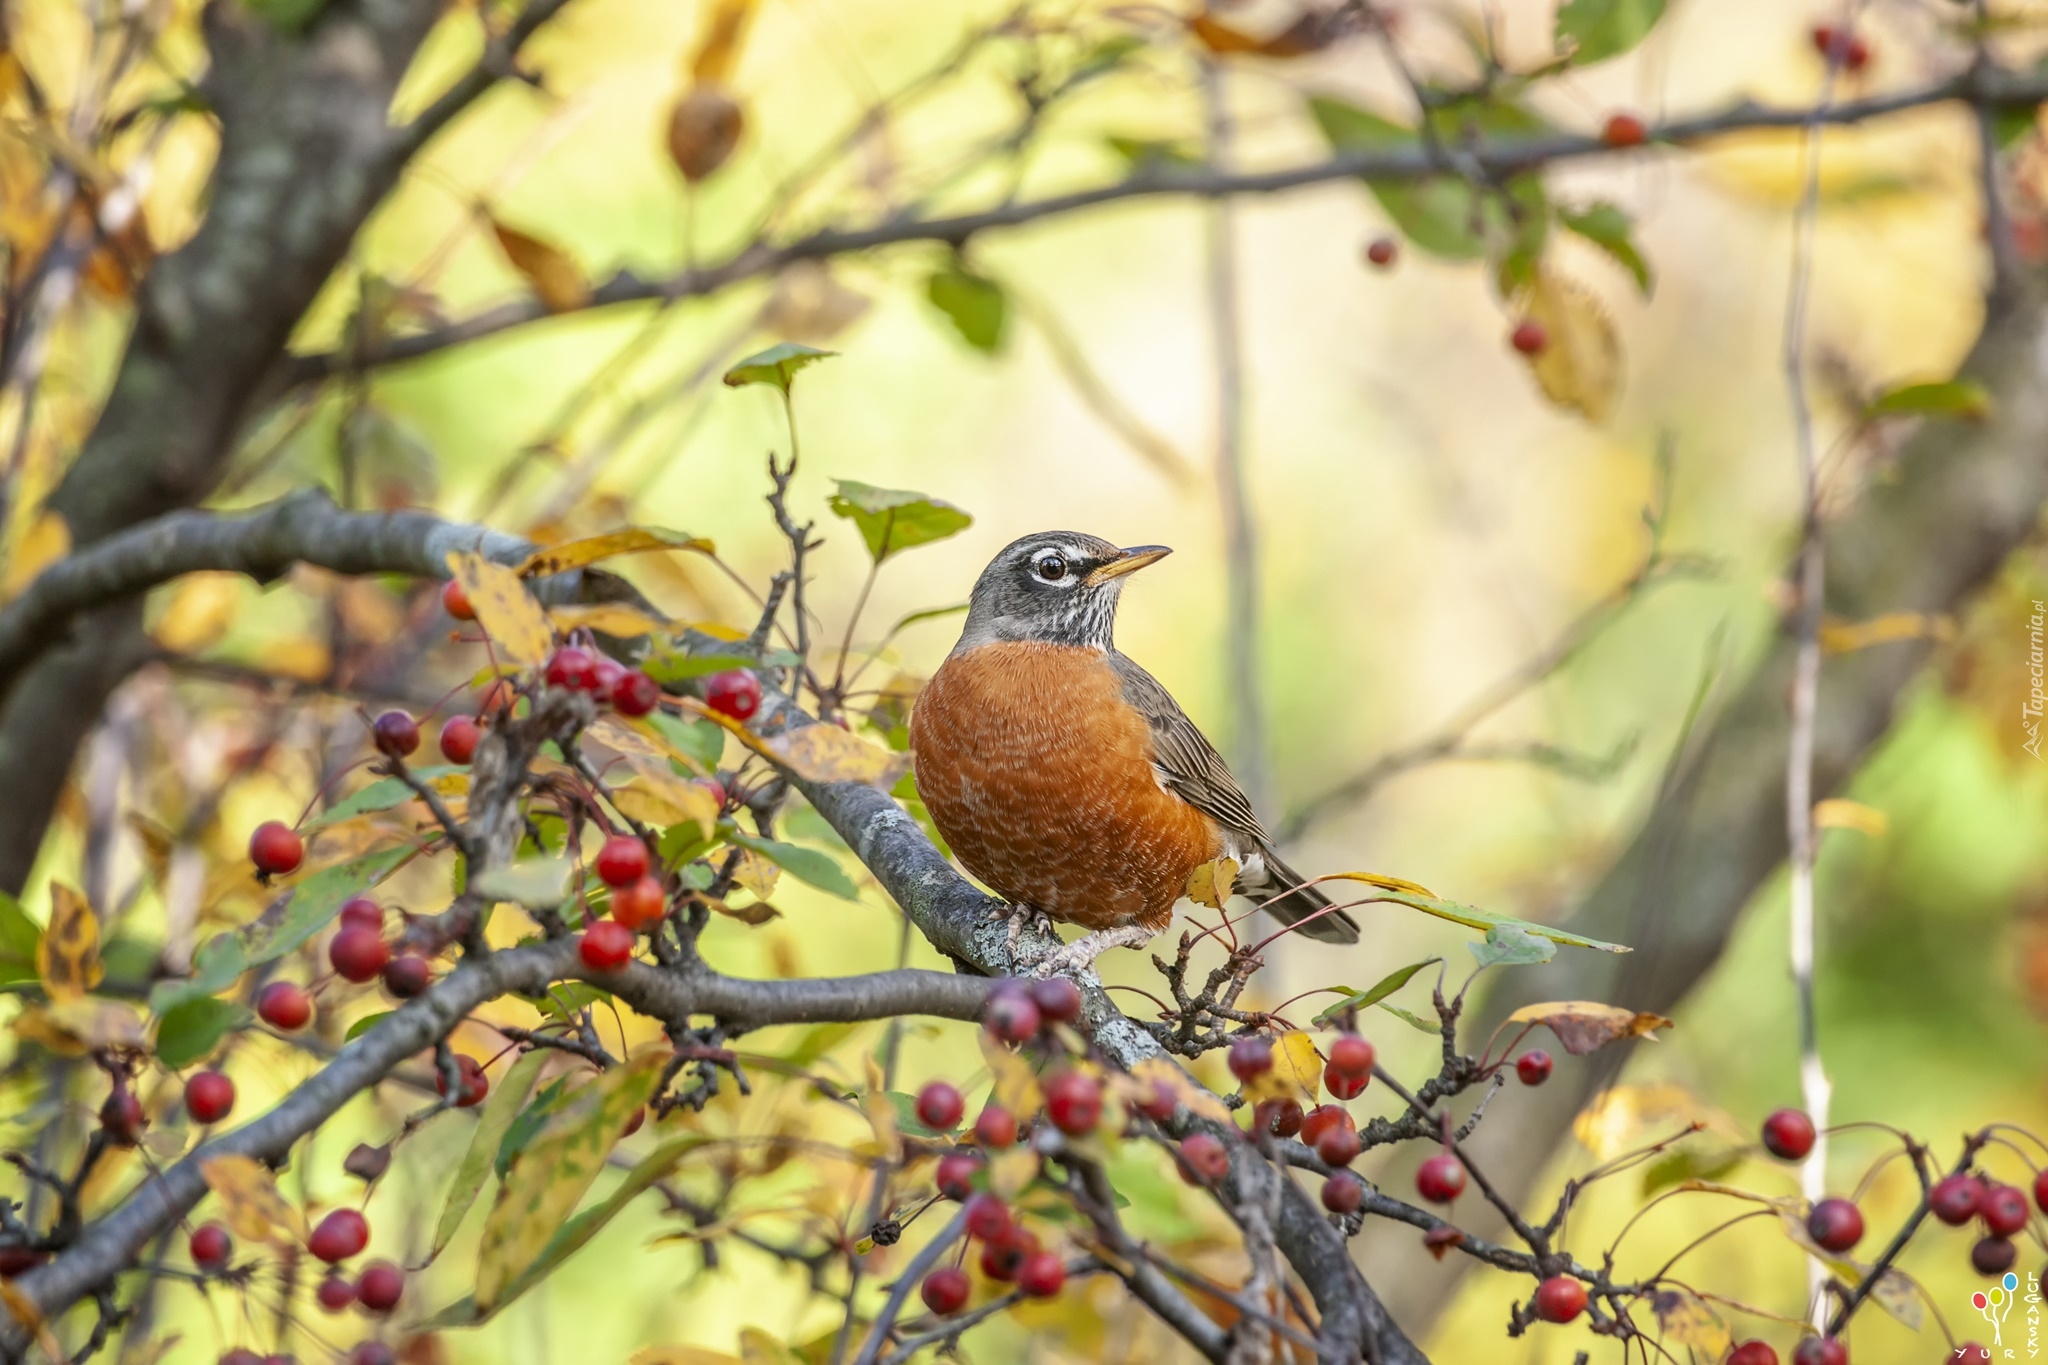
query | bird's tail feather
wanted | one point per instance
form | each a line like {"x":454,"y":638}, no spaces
{"x":1300,"y":905}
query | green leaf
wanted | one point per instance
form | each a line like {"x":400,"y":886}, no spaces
{"x":527,"y":1124}
{"x":499,"y":1110}
{"x":565,"y":998}
{"x":536,"y":883}
{"x":366,"y":1023}
{"x":667,"y":666}
{"x":1413,"y":1020}
{"x":19,"y":936}
{"x":1366,"y":999}
{"x":892,"y":519}
{"x":1147,"y":154}
{"x":215,"y":966}
{"x":383,"y":794}
{"x":1681,"y":1164}
{"x":1509,"y":945}
{"x":550,"y":1177}
{"x":1594,"y":30}
{"x":776,"y":366}
{"x":808,"y":865}
{"x":195,"y":1027}
{"x":906,"y":1116}
{"x":1472,"y":917}
{"x":1608,"y":228}
{"x":977,"y":305}
{"x":1964,"y":399}
{"x":701,"y":742}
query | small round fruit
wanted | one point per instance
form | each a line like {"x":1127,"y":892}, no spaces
{"x":1954,"y":1199}
{"x":1529,"y":336}
{"x":1251,"y":1058}
{"x":284,"y":1005}
{"x":211,"y":1246}
{"x":1969,"y":1350}
{"x":470,"y":1076}
{"x":610,"y":672}
{"x":1820,"y":1351}
{"x":1560,"y":1299}
{"x":380,"y":1286}
{"x":2003,"y":1209}
{"x":1835,"y":1224}
{"x":1322,"y":1119}
{"x":1343,"y":1192}
{"x":1058,"y":998}
{"x":572,"y":668}
{"x":735,"y":693}
{"x":988,"y":1219}
{"x":607,"y":945}
{"x":341,"y":1234}
{"x":1351,"y":1055}
{"x":1381,"y":251}
{"x":1010,"y":1016}
{"x":123,"y":1118}
{"x":1281,"y":1118}
{"x":1042,"y":1275}
{"x":635,"y":694}
{"x":939,"y":1106}
{"x":19,"y":1261}
{"x":1993,"y":1255}
{"x":1788,"y":1134}
{"x":1344,"y":1086}
{"x":459,"y":738}
{"x":455,"y":601}
{"x":640,"y":905}
{"x":1338,"y":1145}
{"x":623,"y":860}
{"x":359,"y":954}
{"x":1440,"y":1179}
{"x":1073,"y":1101}
{"x":1533,"y":1066}
{"x":2041,"y":1191}
{"x":363,"y":913}
{"x":995,"y":1127}
{"x":1158,"y":1103}
{"x":1003,"y":1257}
{"x":335,"y":1293}
{"x":209,"y":1097}
{"x":372,"y":1353}
{"x":1753,"y":1353}
{"x":1624,"y":130}
{"x":945,"y":1291}
{"x":396,"y":733}
{"x":1203,"y":1159}
{"x":407,"y":975}
{"x":955,"y":1176}
{"x":276,"y":848}
{"x":241,"y":1355}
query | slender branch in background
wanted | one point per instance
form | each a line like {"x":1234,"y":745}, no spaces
{"x":1241,"y":654}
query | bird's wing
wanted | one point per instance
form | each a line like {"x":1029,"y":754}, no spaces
{"x":1188,"y":763}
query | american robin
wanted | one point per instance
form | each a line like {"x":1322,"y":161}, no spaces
{"x":1066,"y":778}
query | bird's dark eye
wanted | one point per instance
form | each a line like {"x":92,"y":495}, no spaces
{"x":1051,"y":568}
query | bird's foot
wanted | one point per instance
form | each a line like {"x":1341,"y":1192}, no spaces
{"x":1021,"y":917}
{"x":1084,"y":950}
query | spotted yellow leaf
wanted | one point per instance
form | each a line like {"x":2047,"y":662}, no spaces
{"x":68,"y":954}
{"x":755,"y":873}
{"x":1211,"y":884}
{"x":517,"y":626}
{"x":826,"y":753}
{"x":607,"y":618}
{"x":1296,"y":1073}
{"x":575,"y":554}
{"x":1579,"y":365}
{"x":1016,"y":1084}
{"x":250,"y":1201}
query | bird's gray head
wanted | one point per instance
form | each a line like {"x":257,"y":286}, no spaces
{"x":1057,"y":587}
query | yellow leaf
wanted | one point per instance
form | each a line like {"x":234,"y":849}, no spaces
{"x":47,"y":540}
{"x":704,"y":129}
{"x":1688,"y":1321}
{"x":575,"y":554}
{"x":682,"y":1355}
{"x":68,"y":954}
{"x":1586,"y":1025}
{"x":810,"y":305}
{"x":666,"y":799}
{"x":1212,"y":882}
{"x":1385,"y":883}
{"x":881,"y":1113}
{"x":1617,"y":1119}
{"x":1580,"y":363}
{"x":607,"y":618}
{"x":718,"y":48}
{"x":826,"y":753}
{"x":517,"y":626}
{"x":556,"y":279}
{"x":299,"y":656}
{"x":201,"y":610}
{"x":1297,"y":1072}
{"x":1845,"y":637}
{"x":72,"y":1028}
{"x":758,"y":1348}
{"x":756,"y":873}
{"x":1162,"y":1075}
{"x":1011,"y":1171}
{"x":1837,"y":813}
{"x":1016,"y":1084}
{"x":250,"y":1202}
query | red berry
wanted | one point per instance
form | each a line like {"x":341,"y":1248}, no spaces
{"x":1003,"y":1257}
{"x":362,"y":913}
{"x":1841,"y":45}
{"x":396,"y":733}
{"x":341,"y":1234}
{"x":1351,"y":1055}
{"x":995,"y":1128}
{"x":987,"y":1218}
{"x":284,"y":1005}
{"x":276,"y":849}
{"x":1954,"y":1199}
{"x":209,"y":1096}
{"x":459,"y":739}
{"x":607,"y":945}
{"x":571,"y":667}
{"x":380,"y":1286}
{"x":1533,"y":1066}
{"x":358,"y":954}
{"x":1969,"y":1350}
{"x":1338,"y":1145}
{"x":623,"y":860}
{"x":1158,"y":1104}
{"x":1281,"y":1118}
{"x":609,"y":674}
{"x":1203,"y":1159}
{"x":211,"y":1246}
{"x":1788,"y":1134}
{"x":1322,"y":1119}
{"x":2003,"y":1209}
{"x":241,"y":1355}
{"x":1529,"y":336}
{"x":634,"y":1121}
{"x":19,"y":1260}
{"x":455,"y":601}
{"x":939,"y":1107}
{"x":1343,"y":1192}
{"x":945,"y":1291}
{"x":1042,"y":1275}
{"x":955,"y":1176}
{"x":123,"y":1118}
{"x":635,"y":694}
{"x":469,"y":1074}
{"x":1835,"y":1224}
{"x":1440,"y":1179}
{"x":735,"y":693}
{"x":1058,"y":998}
{"x":1624,"y":130}
{"x":407,"y":975}
{"x":1753,"y":1353}
{"x":640,"y":905}
{"x":2041,"y":1191}
{"x":1251,"y":1058}
{"x":1820,"y":1351}
{"x":1010,"y":1015}
{"x":1073,"y":1101}
{"x":1381,"y":251}
{"x":1343,"y":1085}
{"x":1560,"y":1299}
{"x":335,"y":1293}
{"x":372,"y":1353}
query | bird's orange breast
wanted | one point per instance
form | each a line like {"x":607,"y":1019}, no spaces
{"x":1039,"y":774}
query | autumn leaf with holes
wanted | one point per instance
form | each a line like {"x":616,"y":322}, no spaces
{"x":250,"y":1202}
{"x":68,"y":955}
{"x":1584,"y":1026}
{"x":518,"y":628}
{"x":1212,"y":883}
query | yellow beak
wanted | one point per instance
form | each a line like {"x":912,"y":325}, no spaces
{"x":1128,"y":561}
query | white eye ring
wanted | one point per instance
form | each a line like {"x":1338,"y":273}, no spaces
{"x":1050,"y":566}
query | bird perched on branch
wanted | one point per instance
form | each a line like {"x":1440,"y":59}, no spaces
{"x":1066,"y":778}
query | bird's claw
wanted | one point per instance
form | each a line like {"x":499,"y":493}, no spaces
{"x":1083,"y":951}
{"x":1022,"y":916}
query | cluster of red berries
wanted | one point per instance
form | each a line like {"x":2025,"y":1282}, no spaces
{"x":1841,"y":47}
{"x":627,"y":691}
{"x":638,"y":902}
{"x":2002,"y":1209}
